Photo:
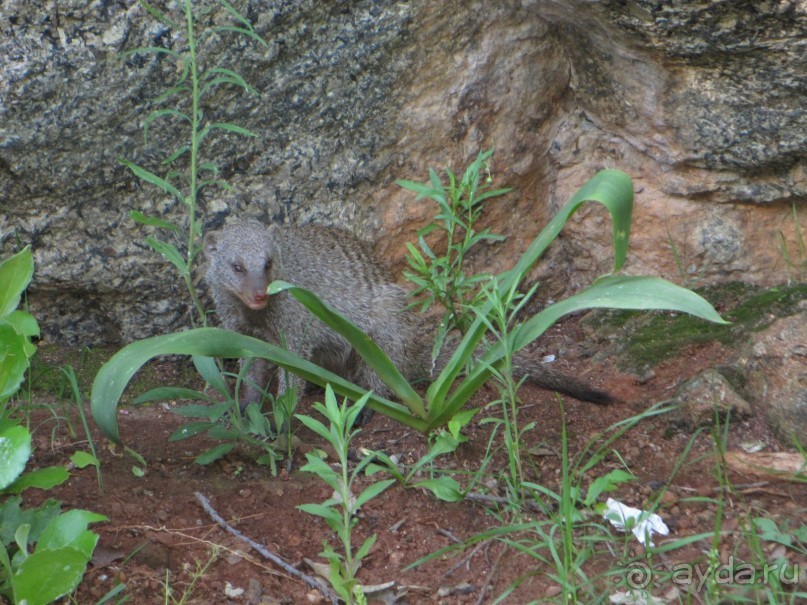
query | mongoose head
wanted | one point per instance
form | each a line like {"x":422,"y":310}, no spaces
{"x":241,"y":258}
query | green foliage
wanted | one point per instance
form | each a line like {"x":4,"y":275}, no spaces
{"x":452,"y":389}
{"x":16,"y":327}
{"x":62,"y":545}
{"x":187,"y":172}
{"x":440,"y":278}
{"x":220,"y":415}
{"x":339,"y":512}
{"x":79,"y":458}
{"x":505,"y":307}
{"x":441,"y":442}
{"x":795,"y":262}
{"x":795,"y":540}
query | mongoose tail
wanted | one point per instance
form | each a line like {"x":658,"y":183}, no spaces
{"x":547,"y":378}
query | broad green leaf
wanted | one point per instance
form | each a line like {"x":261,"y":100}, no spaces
{"x":620,"y":292}
{"x":369,"y":351}
{"x":70,"y":529}
{"x":84,"y":459}
{"x":114,"y":375}
{"x":15,"y":449}
{"x":606,"y":483}
{"x":24,"y":323}
{"x":49,"y":574}
{"x":41,"y":478}
{"x":12,"y":516}
{"x":214,"y":453}
{"x":15,"y":349}
{"x":15,"y":275}
{"x":612,"y":188}
{"x":445,"y":488}
{"x":21,"y":539}
{"x":224,"y":433}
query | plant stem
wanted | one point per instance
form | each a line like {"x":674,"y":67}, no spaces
{"x":190,"y":201}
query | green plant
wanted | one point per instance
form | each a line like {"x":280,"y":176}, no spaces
{"x":560,"y":529}
{"x":195,"y":575}
{"x":441,"y":442}
{"x":189,"y":93}
{"x":220,"y":415}
{"x":450,"y":391}
{"x":441,"y":279}
{"x":505,"y":307}
{"x":339,"y":511}
{"x":81,"y":458}
{"x":795,"y":264}
{"x":16,"y":327}
{"x":62,"y":545}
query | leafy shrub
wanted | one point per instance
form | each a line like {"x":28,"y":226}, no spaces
{"x":440,"y":278}
{"x":16,"y":327}
{"x":62,"y":545}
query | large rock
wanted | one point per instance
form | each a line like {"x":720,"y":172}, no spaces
{"x":777,"y":376}
{"x":701,"y":103}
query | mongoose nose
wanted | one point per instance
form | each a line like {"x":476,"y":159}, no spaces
{"x":259,"y":300}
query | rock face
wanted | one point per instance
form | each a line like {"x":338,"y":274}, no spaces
{"x":777,"y":370}
{"x":709,"y":393}
{"x":701,"y":103}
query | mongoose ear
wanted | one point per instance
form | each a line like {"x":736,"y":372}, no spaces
{"x":275,"y":233}
{"x":211,"y":241}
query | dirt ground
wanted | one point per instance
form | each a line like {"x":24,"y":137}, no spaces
{"x":159,"y":534}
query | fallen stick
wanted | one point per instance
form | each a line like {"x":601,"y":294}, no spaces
{"x":267,"y":554}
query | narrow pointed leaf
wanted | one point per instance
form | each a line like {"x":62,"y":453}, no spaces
{"x":152,"y":221}
{"x":114,"y":375}
{"x":169,"y":252}
{"x":372,"y":354}
{"x":214,"y":453}
{"x":152,"y":178}
{"x":233,"y":128}
{"x":372,"y":491}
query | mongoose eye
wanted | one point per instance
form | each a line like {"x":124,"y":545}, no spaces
{"x":238,"y":268}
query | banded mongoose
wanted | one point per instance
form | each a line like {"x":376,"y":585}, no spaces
{"x":246,"y":256}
